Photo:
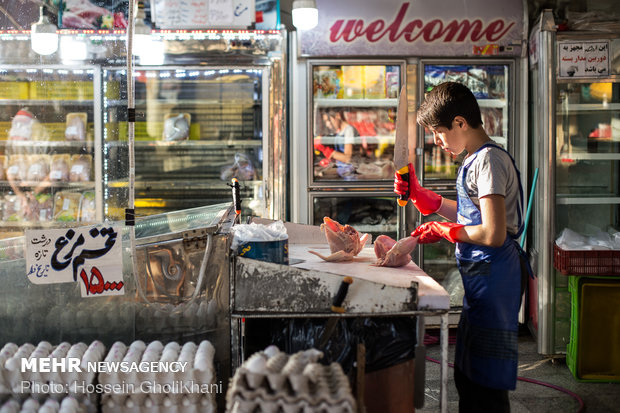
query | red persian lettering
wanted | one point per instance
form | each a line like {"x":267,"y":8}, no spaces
{"x":96,"y":284}
{"x":433,"y":30}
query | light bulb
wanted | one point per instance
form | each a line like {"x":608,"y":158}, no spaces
{"x":305,"y":14}
{"x":44,"y":36}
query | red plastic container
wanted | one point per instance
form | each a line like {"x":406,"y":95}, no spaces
{"x":592,"y":262}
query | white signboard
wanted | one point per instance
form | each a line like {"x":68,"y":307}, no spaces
{"x":416,"y":27}
{"x":203,"y":14}
{"x":90,"y":256}
{"x":583,"y":59}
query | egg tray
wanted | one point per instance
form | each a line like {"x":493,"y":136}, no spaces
{"x":12,"y":377}
{"x":143,"y":403}
{"x":42,"y":404}
{"x":278,"y":379}
{"x":199,"y":369}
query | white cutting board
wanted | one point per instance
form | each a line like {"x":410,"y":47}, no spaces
{"x":431,"y":295}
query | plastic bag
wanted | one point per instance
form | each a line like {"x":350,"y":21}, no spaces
{"x":21,"y":126}
{"x":595,"y":240}
{"x":176,"y":127}
{"x":242,"y":169}
{"x":275,"y":231}
{"x":388,"y":341}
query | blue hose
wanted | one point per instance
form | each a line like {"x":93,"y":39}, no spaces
{"x":530,"y":201}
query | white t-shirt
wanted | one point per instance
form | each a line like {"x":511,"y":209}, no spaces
{"x":492,"y":173}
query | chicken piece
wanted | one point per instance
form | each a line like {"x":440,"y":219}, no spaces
{"x":391,"y":253}
{"x":344,"y":241}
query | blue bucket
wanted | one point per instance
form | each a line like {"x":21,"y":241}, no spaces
{"x":270,"y":251}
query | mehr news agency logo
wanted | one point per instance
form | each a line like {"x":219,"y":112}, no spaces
{"x":74,"y":366}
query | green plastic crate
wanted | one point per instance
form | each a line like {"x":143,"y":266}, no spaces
{"x":593,"y":354}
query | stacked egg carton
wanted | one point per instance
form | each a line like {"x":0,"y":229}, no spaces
{"x":273,"y":381}
{"x":32,"y":405}
{"x":54,"y":384}
{"x":196,"y":315}
{"x":192,"y":390}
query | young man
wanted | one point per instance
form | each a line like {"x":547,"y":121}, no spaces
{"x":486,"y":220}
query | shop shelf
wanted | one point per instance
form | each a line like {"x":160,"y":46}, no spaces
{"x":47,"y":184}
{"x":583,"y":200}
{"x":373,"y":103}
{"x":589,"y":107}
{"x":48,"y":144}
{"x":491,"y":103}
{"x":592,"y":352}
{"x":45,"y":102}
{"x":590,"y":262}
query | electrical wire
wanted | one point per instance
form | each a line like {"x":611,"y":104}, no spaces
{"x":431,"y":340}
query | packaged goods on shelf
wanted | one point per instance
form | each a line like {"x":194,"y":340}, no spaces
{"x":41,"y":208}
{"x":275,"y":381}
{"x":374,"y":82}
{"x":67,"y":206}
{"x":38,"y":168}
{"x":61,"y":90}
{"x":17,"y":168}
{"x":392,"y":84}
{"x":241,"y":169}
{"x":353,"y":82}
{"x":59,"y":168}
{"x":76,"y":126}
{"x":176,"y":126}
{"x":2,"y":167}
{"x":88,"y":207}
{"x":12,"y":208}
{"x":327,"y":82}
{"x":80,"y":168}
{"x":22,"y":126}
{"x":492,"y":119}
{"x":14,"y":90}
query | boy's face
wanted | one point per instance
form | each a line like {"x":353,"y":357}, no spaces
{"x":450,"y":140}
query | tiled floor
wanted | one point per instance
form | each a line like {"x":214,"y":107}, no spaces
{"x":598,"y":397}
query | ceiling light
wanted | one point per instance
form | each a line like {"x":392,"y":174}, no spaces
{"x":44,"y":35}
{"x":305,"y":14}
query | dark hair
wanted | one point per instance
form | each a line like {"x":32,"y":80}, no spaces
{"x":447,"y":101}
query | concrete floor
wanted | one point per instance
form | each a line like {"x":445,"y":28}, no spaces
{"x":598,"y":397}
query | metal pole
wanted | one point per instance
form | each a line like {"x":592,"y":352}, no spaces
{"x":443,"y":389}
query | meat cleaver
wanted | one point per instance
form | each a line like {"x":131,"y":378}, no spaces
{"x":401,"y":142}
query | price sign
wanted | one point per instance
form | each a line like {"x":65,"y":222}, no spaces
{"x":90,"y":256}
{"x":583,"y":59}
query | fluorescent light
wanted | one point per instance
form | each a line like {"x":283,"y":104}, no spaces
{"x":305,"y":14}
{"x":43,"y":35}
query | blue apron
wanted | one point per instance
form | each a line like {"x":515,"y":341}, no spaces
{"x":486,"y":347}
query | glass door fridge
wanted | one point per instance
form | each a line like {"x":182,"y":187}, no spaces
{"x":352,"y":120}
{"x":492,"y":82}
{"x":576,"y":118}
{"x":203,"y":118}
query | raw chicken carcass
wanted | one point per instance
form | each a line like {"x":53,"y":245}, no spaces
{"x":344,"y":241}
{"x":391,"y":253}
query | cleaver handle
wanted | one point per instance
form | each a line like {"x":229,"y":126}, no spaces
{"x":404,"y":198}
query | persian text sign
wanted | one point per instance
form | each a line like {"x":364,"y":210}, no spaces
{"x":583,"y":59}
{"x":90,"y":256}
{"x":410,"y":28}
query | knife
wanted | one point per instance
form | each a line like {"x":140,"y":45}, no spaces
{"x":401,"y":142}
{"x":330,"y":324}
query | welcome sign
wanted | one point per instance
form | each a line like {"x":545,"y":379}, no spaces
{"x":416,"y":28}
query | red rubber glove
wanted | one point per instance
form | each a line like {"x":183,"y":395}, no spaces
{"x":433,"y":231}
{"x":425,"y":200}
{"x":325,"y":150}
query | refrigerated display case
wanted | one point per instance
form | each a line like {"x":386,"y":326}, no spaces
{"x":48,"y":135}
{"x":576,"y":118}
{"x":491,"y":84}
{"x":197,"y":127}
{"x":352,"y":112}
